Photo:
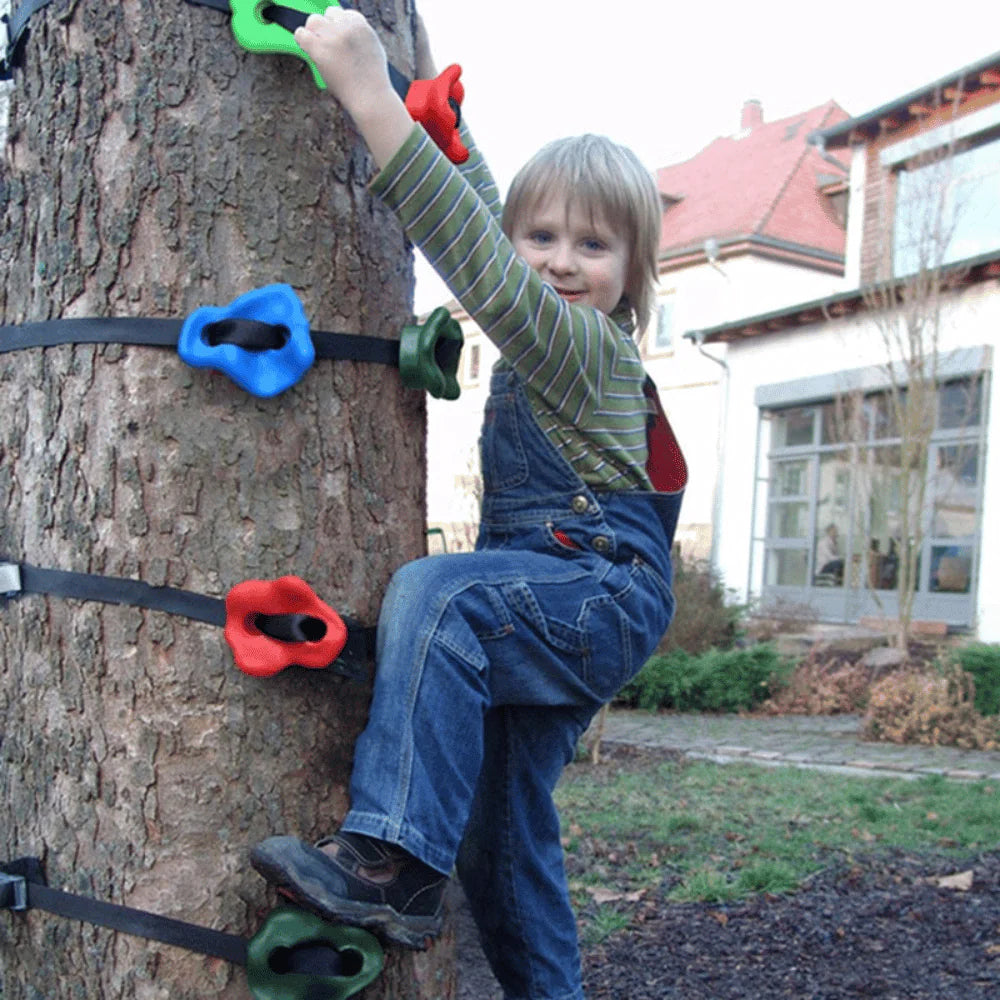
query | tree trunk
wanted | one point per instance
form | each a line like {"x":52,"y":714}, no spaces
{"x":152,"y":167}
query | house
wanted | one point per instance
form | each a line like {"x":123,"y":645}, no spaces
{"x":857,"y":423}
{"x":752,"y":222}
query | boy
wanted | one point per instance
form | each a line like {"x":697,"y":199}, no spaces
{"x":491,"y":664}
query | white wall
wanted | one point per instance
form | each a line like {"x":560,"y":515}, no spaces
{"x":691,"y":385}
{"x":453,"y":446}
{"x":853,"y":342}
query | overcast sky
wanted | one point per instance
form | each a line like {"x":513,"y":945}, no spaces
{"x":668,"y":78}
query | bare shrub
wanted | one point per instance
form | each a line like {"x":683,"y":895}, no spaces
{"x":930,"y":706}
{"x":823,"y":685}
{"x":706,"y":616}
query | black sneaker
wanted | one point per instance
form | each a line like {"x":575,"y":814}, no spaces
{"x":367,"y":883}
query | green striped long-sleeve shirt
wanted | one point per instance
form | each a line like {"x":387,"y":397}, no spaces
{"x":582,"y":371}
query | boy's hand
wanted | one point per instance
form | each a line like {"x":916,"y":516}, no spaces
{"x":348,"y":55}
{"x":352,"y":62}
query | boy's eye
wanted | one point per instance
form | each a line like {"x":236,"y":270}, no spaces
{"x":540,"y":236}
{"x":594,"y":244}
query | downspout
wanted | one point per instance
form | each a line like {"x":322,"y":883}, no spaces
{"x":697,"y":337}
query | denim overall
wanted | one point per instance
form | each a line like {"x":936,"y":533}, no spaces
{"x":490,"y":666}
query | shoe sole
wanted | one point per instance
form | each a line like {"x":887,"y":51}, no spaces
{"x":291,"y":867}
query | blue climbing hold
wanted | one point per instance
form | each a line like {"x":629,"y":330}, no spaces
{"x":260,"y":340}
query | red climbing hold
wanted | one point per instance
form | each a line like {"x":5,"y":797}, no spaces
{"x":310,"y":633}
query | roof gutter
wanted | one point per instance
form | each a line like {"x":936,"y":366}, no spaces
{"x":839,"y":134}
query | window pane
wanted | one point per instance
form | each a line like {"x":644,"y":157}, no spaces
{"x":960,"y":404}
{"x":884,"y":409}
{"x":832,"y":517}
{"x":947,"y":208}
{"x":956,"y":487}
{"x":836,"y":422}
{"x":664,"y":336}
{"x":829,"y":558}
{"x":975,"y":202}
{"x":882,"y":564}
{"x":789,"y":520}
{"x":786,"y":567}
{"x":793,"y":427}
{"x":951,"y":568}
{"x":790,"y":478}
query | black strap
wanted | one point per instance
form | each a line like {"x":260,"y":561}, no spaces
{"x":250,"y":334}
{"x":146,"y":332}
{"x":118,"y":590}
{"x":17,"y":35}
{"x":352,"y":662}
{"x":23,"y":887}
{"x":178,"y":933}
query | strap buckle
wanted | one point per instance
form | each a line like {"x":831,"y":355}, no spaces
{"x":13,"y":892}
{"x":10,"y":579}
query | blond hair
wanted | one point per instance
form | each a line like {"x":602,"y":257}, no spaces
{"x":608,"y":181}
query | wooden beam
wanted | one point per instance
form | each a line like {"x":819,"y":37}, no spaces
{"x":919,"y":109}
{"x":890,"y":123}
{"x":990,"y":78}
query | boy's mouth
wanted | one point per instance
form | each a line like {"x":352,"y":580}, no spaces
{"x":568,"y":294}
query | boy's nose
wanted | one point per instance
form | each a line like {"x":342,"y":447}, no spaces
{"x":562,"y":260}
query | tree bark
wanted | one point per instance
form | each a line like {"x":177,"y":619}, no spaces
{"x":153,"y":166}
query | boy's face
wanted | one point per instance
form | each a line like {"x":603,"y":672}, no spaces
{"x":582,"y":258}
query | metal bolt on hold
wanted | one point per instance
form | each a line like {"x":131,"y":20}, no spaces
{"x":602,"y":544}
{"x":579,"y":505}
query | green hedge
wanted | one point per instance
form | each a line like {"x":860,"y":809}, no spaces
{"x":983,"y":662}
{"x":714,"y":681}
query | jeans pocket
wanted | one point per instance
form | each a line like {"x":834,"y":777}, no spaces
{"x":624,"y":627}
{"x":556,"y":634}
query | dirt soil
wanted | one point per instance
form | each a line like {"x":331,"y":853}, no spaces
{"x":879,"y":927}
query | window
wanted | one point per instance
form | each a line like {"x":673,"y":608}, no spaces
{"x":947,"y":207}
{"x":663,"y":334}
{"x":471,"y":361}
{"x":839,"y":478}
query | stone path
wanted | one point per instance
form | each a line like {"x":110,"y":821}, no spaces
{"x":831,"y":742}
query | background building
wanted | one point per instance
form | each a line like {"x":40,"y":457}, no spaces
{"x":865,"y":414}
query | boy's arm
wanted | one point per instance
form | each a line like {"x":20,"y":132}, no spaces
{"x":475,"y":169}
{"x":351,"y":60}
{"x":571,"y":356}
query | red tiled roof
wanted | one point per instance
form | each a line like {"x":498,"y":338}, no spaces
{"x":762,"y":184}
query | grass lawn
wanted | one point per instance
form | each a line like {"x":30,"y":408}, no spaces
{"x":641,"y":825}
